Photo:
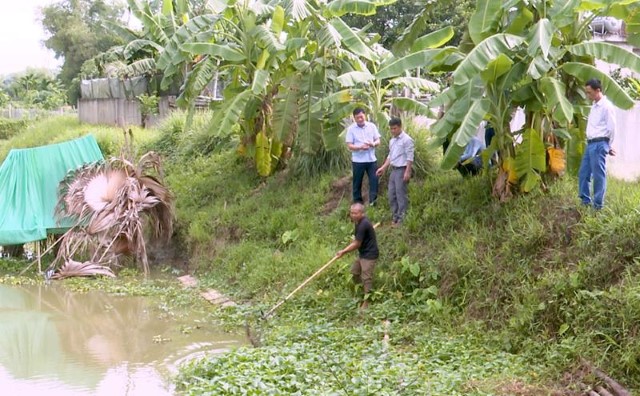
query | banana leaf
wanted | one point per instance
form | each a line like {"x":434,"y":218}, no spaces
{"x":610,"y":87}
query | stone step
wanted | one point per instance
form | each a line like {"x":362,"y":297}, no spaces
{"x":211,"y":295}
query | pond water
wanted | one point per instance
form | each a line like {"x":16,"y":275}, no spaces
{"x":56,"y":342}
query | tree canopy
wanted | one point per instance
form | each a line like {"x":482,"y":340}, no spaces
{"x":390,"y":21}
{"x":33,"y":88}
{"x":78,"y":30}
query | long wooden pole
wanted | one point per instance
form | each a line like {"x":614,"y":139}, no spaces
{"x":25,"y":269}
{"x":309,"y":279}
{"x":303,"y":284}
{"x":39,"y":257}
{"x":618,"y":389}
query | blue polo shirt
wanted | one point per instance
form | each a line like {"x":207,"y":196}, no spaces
{"x":360,"y":135}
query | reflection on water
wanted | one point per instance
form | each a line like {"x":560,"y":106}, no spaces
{"x":55,"y":342}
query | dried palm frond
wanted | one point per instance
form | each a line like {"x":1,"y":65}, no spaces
{"x":111,"y":203}
{"x":94,"y":191}
{"x":73,"y":268}
{"x":71,"y":203}
{"x":102,"y":188}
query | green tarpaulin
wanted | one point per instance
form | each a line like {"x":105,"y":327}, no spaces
{"x":29,"y":181}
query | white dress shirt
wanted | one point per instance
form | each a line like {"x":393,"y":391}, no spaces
{"x":602,"y":121}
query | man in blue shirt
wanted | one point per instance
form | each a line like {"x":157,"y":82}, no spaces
{"x":601,"y":128}
{"x":470,"y":162}
{"x":362,"y":139}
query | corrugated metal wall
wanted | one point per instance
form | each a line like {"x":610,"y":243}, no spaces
{"x":119,"y":112}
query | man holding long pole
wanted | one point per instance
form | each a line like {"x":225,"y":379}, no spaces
{"x":365,"y":242}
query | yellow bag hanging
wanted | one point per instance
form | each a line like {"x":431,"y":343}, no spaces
{"x":557,"y":161}
{"x":555,"y":155}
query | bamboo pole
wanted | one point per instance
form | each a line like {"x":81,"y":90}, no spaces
{"x":303,"y":284}
{"x":603,"y":392}
{"x":25,"y":269}
{"x":587,"y":390}
{"x":614,"y":385}
{"x":39,"y":257}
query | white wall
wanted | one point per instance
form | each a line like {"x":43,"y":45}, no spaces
{"x":626,"y":163}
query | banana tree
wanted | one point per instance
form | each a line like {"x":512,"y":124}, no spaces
{"x":376,"y":81}
{"x":166,"y":24}
{"x":280,"y":61}
{"x":535,"y":55}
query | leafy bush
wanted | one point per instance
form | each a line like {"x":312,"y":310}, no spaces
{"x":148,"y":105}
{"x":628,"y":83}
{"x":10,"y":128}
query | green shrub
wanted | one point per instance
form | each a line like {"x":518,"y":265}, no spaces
{"x":148,"y":105}
{"x":10,"y":128}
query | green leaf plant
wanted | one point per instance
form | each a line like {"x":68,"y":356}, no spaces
{"x":536,"y":56}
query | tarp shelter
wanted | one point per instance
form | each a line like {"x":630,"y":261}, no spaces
{"x":29,"y":180}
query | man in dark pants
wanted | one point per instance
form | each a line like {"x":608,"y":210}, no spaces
{"x":470,"y":162}
{"x":362,"y":139}
{"x":601,"y":128}
{"x":365,"y":242}
{"x":400,"y":159}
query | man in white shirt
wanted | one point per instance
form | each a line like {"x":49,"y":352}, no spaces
{"x":400,"y":159}
{"x":362,"y":139}
{"x":601,"y":128}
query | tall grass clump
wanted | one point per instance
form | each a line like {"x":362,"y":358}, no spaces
{"x":310,"y":165}
{"x":427,"y":155}
{"x":199,"y":138}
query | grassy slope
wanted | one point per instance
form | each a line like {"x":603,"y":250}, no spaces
{"x":481,"y":298}
{"x":538,"y":279}
{"x":59,"y":129}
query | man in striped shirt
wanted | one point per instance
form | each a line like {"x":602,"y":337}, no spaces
{"x":400,"y":159}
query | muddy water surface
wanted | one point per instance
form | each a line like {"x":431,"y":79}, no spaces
{"x":55,"y":342}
